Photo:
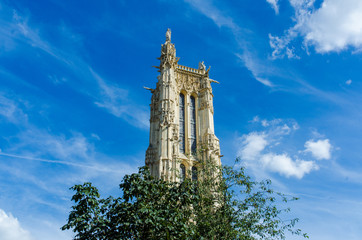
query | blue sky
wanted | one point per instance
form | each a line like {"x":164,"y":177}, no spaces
{"x":73,"y":107}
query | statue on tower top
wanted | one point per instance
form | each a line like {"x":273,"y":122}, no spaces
{"x":202,"y":66}
{"x":168,"y":35}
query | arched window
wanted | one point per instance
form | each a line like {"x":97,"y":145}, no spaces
{"x":182,"y":123}
{"x":194,"y":173}
{"x":193,"y":124}
{"x":182,"y":172}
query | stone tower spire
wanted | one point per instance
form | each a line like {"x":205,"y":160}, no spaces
{"x":182,"y":122}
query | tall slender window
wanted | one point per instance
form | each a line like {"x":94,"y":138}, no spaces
{"x":182,"y":172}
{"x":182,"y":123}
{"x":193,"y":124}
{"x":194,"y":173}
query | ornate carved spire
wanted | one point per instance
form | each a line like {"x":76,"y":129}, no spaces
{"x":168,"y":53}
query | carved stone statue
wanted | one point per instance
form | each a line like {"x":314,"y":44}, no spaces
{"x":168,"y":35}
{"x":202,"y":66}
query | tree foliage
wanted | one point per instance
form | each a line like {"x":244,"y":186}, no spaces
{"x":223,"y":204}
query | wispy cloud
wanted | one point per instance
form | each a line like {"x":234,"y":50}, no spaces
{"x":352,"y":175}
{"x":248,"y":58}
{"x":112,"y":99}
{"x":280,"y":45}
{"x":38,"y":144}
{"x":17,"y":30}
{"x":261,"y":69}
{"x":257,"y":69}
{"x":41,"y":165}
{"x":265,"y":70}
{"x":76,"y":151}
{"x":212,"y":12}
{"x":274,"y":5}
{"x":10,"y":111}
{"x":38,"y":160}
{"x":97,"y":167}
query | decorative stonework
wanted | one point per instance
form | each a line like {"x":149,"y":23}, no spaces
{"x":187,"y":82}
{"x":163,"y":155}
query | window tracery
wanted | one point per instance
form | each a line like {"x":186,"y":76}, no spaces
{"x":182,"y":123}
{"x":193,"y":124}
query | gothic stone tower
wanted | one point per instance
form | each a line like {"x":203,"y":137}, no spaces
{"x":182,"y":122}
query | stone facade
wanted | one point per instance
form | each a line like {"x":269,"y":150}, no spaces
{"x":182,"y":122}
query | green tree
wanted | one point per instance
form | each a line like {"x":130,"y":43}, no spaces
{"x":223,"y":204}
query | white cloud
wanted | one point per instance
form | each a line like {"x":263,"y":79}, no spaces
{"x":348,"y":82}
{"x":10,"y":228}
{"x":258,"y":149}
{"x":334,"y":27}
{"x":285,"y":165}
{"x":253,"y":144}
{"x":320,"y":149}
{"x":274,"y":5}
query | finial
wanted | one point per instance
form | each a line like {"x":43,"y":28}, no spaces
{"x":168,"y":35}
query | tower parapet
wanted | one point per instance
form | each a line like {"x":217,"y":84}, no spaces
{"x":181,"y":122}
